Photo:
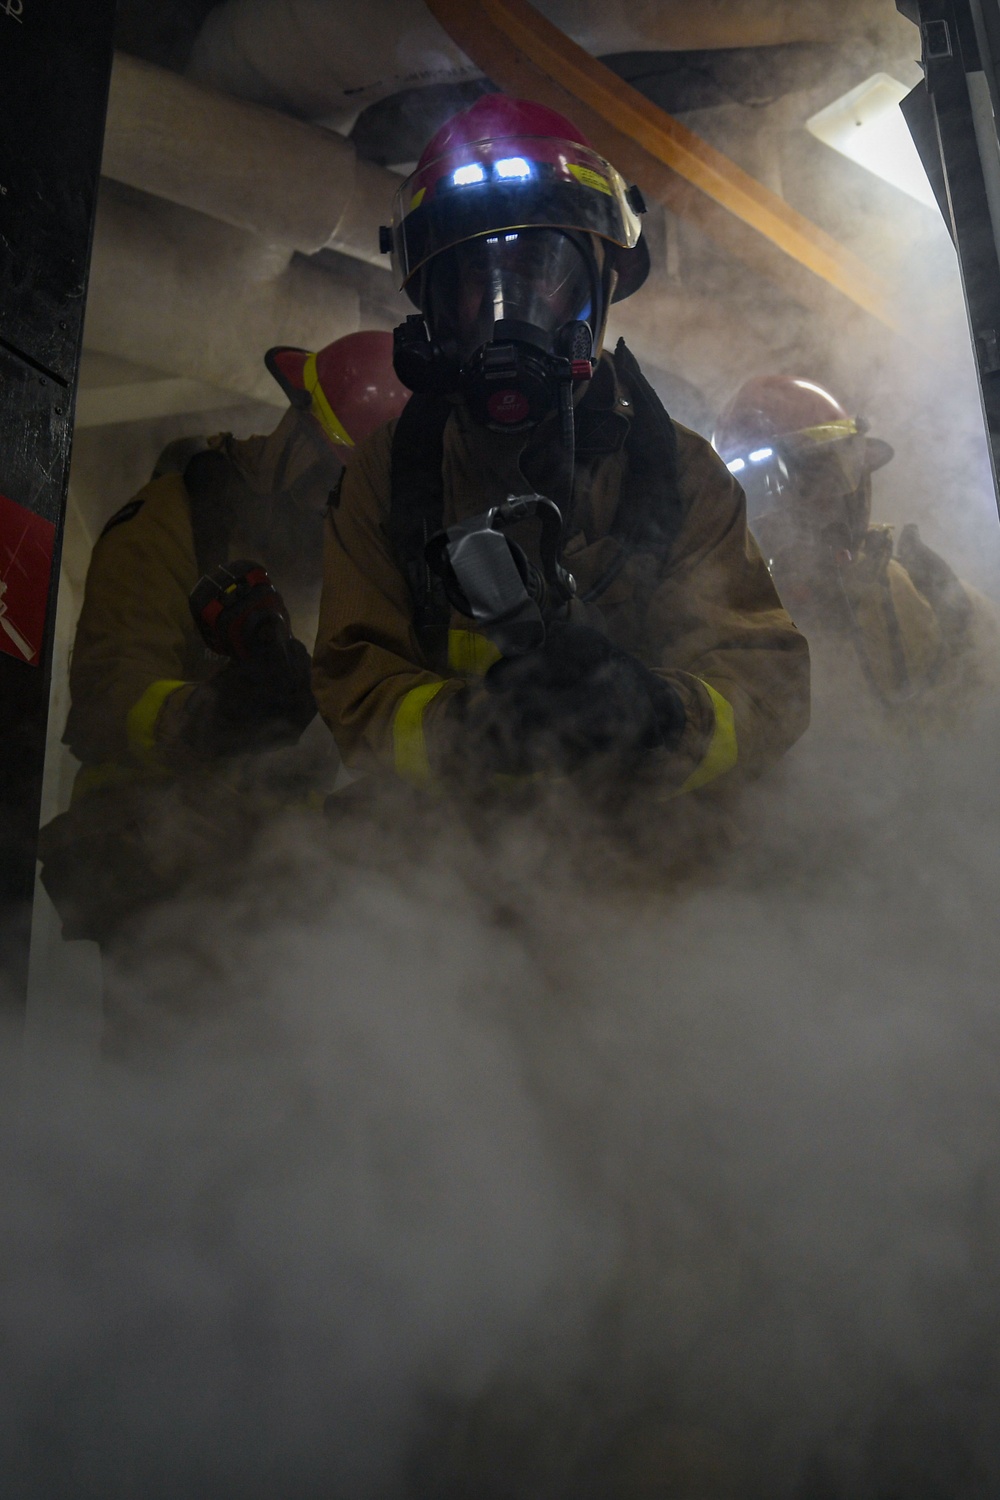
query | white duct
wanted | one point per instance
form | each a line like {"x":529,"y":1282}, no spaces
{"x":200,"y":285}
{"x":328,"y":59}
{"x":196,"y":298}
{"x":290,"y":183}
{"x":199,"y":301}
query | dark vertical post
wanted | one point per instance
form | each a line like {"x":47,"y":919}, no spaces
{"x":55,"y":63}
{"x":951,"y":119}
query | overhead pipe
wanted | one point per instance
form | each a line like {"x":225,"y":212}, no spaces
{"x":196,"y":298}
{"x":285,"y":181}
{"x":201,"y":300}
{"x":297,"y":185}
{"x":330,"y":58}
{"x":525,"y":54}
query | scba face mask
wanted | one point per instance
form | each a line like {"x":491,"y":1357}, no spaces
{"x":511,"y":321}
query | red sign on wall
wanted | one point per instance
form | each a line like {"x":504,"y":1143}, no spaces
{"x":27,"y":542}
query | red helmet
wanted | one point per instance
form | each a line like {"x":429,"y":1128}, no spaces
{"x":507,"y":165}
{"x":349,"y":387}
{"x":793,"y":447}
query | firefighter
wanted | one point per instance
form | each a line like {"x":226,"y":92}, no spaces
{"x":614,"y":619}
{"x":164,"y":725}
{"x":890,"y":624}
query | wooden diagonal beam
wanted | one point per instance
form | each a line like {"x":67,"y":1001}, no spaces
{"x":530,"y":58}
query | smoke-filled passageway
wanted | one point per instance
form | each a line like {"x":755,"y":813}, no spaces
{"x":467,"y":1173}
{"x":536,"y":1135}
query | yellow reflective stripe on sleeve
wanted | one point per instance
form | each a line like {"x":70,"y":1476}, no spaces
{"x":409,"y":747}
{"x":140,"y":724}
{"x":321,"y":408}
{"x":470,"y":653}
{"x":95,"y":778}
{"x":721,"y":754}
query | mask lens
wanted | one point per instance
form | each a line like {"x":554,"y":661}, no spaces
{"x":536,"y":277}
{"x":764,"y":479}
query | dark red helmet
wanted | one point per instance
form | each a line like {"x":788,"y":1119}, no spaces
{"x":349,"y":388}
{"x":793,"y":447}
{"x":506,"y":165}
{"x":781,"y":408}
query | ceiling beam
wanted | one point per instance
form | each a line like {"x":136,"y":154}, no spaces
{"x":530,"y":58}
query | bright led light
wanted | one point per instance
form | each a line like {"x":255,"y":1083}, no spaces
{"x":759,"y":454}
{"x":508,"y":237}
{"x":462,"y":176}
{"x":867,"y":126}
{"x":735,"y":465}
{"x":513,"y":166}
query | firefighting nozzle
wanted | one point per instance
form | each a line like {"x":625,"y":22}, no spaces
{"x":489,"y":577}
{"x":238,"y":610}
{"x":262,"y":697}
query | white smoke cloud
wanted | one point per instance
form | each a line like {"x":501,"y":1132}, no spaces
{"x":465,"y":1175}
{"x":495,"y":1164}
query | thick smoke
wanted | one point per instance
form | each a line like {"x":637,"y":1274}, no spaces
{"x":472,"y":1169}
{"x":494,"y":1161}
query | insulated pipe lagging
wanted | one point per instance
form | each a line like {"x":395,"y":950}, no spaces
{"x":330,"y":58}
{"x":184,"y":294}
{"x":287,"y":182}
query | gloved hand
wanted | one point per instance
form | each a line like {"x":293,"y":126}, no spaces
{"x":579,"y":696}
{"x":255,"y":704}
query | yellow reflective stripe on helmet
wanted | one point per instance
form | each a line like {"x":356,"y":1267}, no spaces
{"x":828,"y":432}
{"x":409,"y":748}
{"x":321,"y":408}
{"x":140,"y":723}
{"x":721,"y":754}
{"x":471,"y":653}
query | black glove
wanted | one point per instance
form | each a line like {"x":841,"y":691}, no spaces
{"x":255,"y":704}
{"x":577,"y":697}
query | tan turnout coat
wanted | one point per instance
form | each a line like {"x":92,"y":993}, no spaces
{"x":136,"y":642}
{"x":708,"y":620}
{"x":146,"y":815}
{"x":891,"y":662}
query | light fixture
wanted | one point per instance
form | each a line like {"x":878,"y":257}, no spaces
{"x":463,"y":176}
{"x":513,"y":167}
{"x":759,"y":454}
{"x":867,"y":126}
{"x":735,"y":465}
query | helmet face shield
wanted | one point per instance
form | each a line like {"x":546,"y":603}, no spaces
{"x":831,"y":458}
{"x":503,"y":185}
{"x":536,"y":279}
{"x":764,"y":479}
{"x":810,"y":476}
